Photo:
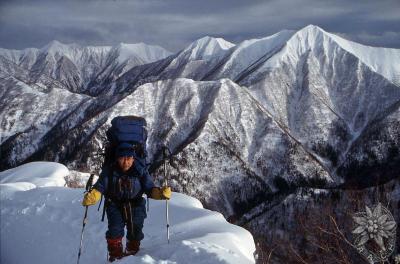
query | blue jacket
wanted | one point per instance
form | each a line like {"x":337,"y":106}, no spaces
{"x":117,"y":185}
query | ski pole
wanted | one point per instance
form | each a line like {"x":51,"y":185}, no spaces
{"x":166,"y":184}
{"x":88,"y":187}
{"x":147,"y":197}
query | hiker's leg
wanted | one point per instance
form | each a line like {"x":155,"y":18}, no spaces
{"x":115,"y":232}
{"x":116,"y":222}
{"x":136,"y":235}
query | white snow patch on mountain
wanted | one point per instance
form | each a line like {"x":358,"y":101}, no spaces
{"x":207,"y":47}
{"x":384,"y":61}
{"x":147,"y":53}
{"x":42,"y":223}
{"x":255,"y":48}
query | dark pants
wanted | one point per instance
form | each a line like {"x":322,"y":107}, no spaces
{"x":116,"y":214}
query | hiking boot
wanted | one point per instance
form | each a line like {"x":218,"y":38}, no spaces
{"x":132,"y":247}
{"x":114,"y":246}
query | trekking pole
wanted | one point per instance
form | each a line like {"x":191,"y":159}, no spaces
{"x":166,"y":184}
{"x":147,"y":197}
{"x":87,"y":188}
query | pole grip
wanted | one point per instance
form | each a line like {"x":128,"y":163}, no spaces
{"x":89,"y":183}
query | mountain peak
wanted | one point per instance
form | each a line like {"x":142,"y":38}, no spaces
{"x":312,"y":28}
{"x":208,"y":40}
{"x":207,"y":46}
{"x":311,"y":32}
{"x":309,"y":38}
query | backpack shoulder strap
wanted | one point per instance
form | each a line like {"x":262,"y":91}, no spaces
{"x":140,"y":167}
{"x":108,"y":180}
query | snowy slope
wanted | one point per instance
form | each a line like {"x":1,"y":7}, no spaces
{"x":41,"y":108}
{"x":80,"y":55}
{"x":384,"y":61}
{"x":207,"y":47}
{"x":326,"y":96}
{"x":43,"y":225}
{"x":197,"y":58}
{"x":147,"y":53}
{"x":250,"y":53}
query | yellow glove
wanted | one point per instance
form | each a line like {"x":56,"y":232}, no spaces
{"x":163,"y":193}
{"x":166,"y":192}
{"x":91,"y":197}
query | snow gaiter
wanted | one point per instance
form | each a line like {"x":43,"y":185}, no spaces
{"x":115,"y":250}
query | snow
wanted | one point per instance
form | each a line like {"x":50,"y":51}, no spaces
{"x":146,"y":53}
{"x":42,"y":222}
{"x":251,"y":51}
{"x":38,"y":112}
{"x":384,"y":61}
{"x":40,"y":174}
{"x":208,"y":47}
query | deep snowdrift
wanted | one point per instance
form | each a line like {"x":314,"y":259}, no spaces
{"x":41,"y":222}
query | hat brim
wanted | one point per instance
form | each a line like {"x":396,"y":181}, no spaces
{"x":125,"y":153}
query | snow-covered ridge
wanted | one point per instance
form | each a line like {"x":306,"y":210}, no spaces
{"x":250,"y":51}
{"x":42,"y":222}
{"x":385,"y":61}
{"x":74,"y":52}
{"x":207,"y":47}
{"x":79,"y":68}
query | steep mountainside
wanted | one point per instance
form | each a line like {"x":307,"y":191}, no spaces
{"x":80,"y":68}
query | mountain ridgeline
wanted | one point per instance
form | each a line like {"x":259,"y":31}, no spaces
{"x":248,"y":123}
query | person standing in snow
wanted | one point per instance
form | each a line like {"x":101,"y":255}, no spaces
{"x":123,"y":185}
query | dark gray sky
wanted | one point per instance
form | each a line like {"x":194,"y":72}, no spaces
{"x":173,"y":24}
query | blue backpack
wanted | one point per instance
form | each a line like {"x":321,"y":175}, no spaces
{"x":126,"y":129}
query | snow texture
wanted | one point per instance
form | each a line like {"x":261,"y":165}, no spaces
{"x":42,"y":224}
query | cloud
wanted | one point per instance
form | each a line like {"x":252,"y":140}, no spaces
{"x":174,"y":24}
{"x":381,"y":39}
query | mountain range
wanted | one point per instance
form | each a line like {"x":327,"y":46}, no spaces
{"x":248,"y":123}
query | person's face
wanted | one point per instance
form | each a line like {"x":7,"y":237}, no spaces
{"x":125,"y":163}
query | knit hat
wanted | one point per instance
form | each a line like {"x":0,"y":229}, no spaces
{"x":125,"y":150}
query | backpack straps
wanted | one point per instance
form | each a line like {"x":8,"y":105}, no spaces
{"x":108,"y":184}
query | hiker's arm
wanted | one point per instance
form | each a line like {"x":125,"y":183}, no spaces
{"x":150,"y":189}
{"x":101,"y":183}
{"x":94,"y":195}
{"x":154,"y":192}
{"x":147,"y":183}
